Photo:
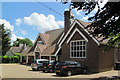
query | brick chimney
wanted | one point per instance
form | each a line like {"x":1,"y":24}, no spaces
{"x":66,"y":21}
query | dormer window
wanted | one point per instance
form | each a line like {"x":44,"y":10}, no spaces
{"x":40,"y":42}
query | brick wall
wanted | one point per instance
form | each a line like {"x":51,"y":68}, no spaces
{"x":106,"y":58}
{"x":91,"y":61}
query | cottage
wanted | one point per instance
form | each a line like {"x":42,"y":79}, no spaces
{"x":44,"y":47}
{"x":16,"y":49}
{"x":73,"y":43}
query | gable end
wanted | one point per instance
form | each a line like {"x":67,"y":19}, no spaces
{"x":76,"y":22}
{"x":76,"y":30}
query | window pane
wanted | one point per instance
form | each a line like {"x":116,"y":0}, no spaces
{"x":74,"y":47}
{"x":71,"y":48}
{"x":83,"y":47}
{"x":80,"y":47}
{"x":83,"y":53}
{"x":71,"y":43}
{"x":83,"y":42}
{"x":78,"y":54}
{"x":78,"y":43}
{"x":71,"y":54}
{"x":74,"y":43}
{"x":77,"y":47}
{"x":74,"y":54}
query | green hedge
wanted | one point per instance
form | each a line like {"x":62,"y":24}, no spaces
{"x":8,"y":59}
{"x":11,"y":59}
{"x":17,"y":54}
{"x":5,"y":59}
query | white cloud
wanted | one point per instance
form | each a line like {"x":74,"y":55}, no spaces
{"x":66,"y":9}
{"x":14,"y":37}
{"x":85,"y":18}
{"x":43,"y":23}
{"x":18,"y":22}
{"x":11,"y":27}
{"x":60,"y":23}
{"x":7,"y":24}
{"x":33,"y":41}
{"x":77,"y":11}
{"x":23,"y":31}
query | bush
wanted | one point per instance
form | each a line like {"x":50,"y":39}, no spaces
{"x":16,"y":59}
{"x":5,"y":59}
{"x":12,"y":59}
{"x":17,"y":54}
{"x":8,"y":59}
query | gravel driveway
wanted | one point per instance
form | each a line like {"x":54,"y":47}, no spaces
{"x":22,"y":71}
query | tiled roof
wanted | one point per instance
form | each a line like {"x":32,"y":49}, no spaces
{"x":24,"y":52}
{"x":85,"y":24}
{"x":42,"y":47}
{"x":54,"y":34}
{"x":45,"y":37}
{"x":102,"y":41}
{"x":16,"y":49}
{"x":30,"y":53}
{"x":50,"y":50}
{"x":49,"y":37}
{"x":97,"y":38}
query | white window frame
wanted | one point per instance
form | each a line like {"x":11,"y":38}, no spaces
{"x":41,"y":42}
{"x":36,"y":49}
{"x":82,"y":50}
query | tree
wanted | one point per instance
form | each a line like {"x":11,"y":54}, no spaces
{"x":6,"y":44}
{"x":106,"y":21}
{"x":26,"y":41}
{"x":0,"y":44}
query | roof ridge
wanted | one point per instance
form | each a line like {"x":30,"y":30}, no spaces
{"x":53,"y":30}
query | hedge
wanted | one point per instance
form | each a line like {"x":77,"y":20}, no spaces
{"x":5,"y":59}
{"x":8,"y":59}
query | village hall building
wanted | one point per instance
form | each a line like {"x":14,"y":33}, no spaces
{"x":72,"y":43}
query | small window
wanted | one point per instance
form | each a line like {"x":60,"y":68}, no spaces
{"x":40,"y":42}
{"x":78,"y":49}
